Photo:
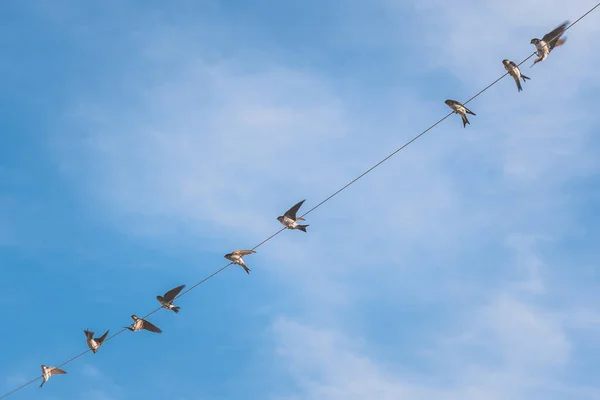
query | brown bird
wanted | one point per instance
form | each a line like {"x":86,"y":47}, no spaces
{"x":236,"y":258}
{"x":47,"y":372}
{"x":460,"y":109}
{"x":514,"y":71}
{"x":94,"y":343}
{"x":139,"y":324}
{"x":167,"y":300}
{"x":289,"y":218}
{"x":549,"y":42}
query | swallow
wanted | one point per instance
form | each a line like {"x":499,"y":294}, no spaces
{"x":289,"y":218}
{"x":139,"y":324}
{"x":92,"y":342}
{"x":549,"y":42}
{"x":515,"y":72}
{"x":47,"y":372}
{"x":236,"y":258}
{"x":461,"y":110}
{"x":167,"y":300}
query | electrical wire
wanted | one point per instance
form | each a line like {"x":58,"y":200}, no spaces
{"x":334,"y":194}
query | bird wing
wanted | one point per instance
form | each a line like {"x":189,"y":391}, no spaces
{"x":100,"y":340}
{"x":291,"y":213}
{"x":171,"y":294}
{"x":57,"y":371}
{"x":552,"y":37}
{"x":243,"y":252}
{"x":150,"y":327}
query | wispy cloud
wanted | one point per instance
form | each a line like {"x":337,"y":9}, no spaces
{"x":501,"y":349}
{"x":194,"y":147}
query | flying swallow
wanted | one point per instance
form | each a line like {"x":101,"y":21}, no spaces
{"x":236,"y":258}
{"x":47,"y":372}
{"x":289,"y":218}
{"x":549,"y":42}
{"x":515,"y":72}
{"x":139,"y":324}
{"x":167,"y":300}
{"x":92,"y":342}
{"x":461,"y":110}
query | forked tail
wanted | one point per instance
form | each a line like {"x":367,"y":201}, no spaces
{"x":302,"y":227}
{"x":465,"y":120}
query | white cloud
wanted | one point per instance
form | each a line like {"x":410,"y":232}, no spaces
{"x":526,"y":339}
{"x":505,"y":349}
{"x":193,"y":148}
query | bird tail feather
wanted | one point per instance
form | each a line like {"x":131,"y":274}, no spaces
{"x":465,"y":120}
{"x":302,"y":227}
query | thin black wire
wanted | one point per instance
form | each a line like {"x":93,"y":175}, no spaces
{"x":318,"y":205}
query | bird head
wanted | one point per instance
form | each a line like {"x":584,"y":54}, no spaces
{"x":449,"y":102}
{"x":280,"y":218}
{"x":505,"y":61}
{"x":535,"y":41}
{"x":228,"y":256}
{"x":134,"y":317}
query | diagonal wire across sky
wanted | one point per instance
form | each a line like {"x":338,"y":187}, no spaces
{"x":327,"y":199}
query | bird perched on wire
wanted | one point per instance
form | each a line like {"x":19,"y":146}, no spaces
{"x":167,"y":299}
{"x":460,"y":109}
{"x":236,"y":258}
{"x":92,"y":342}
{"x":549,"y":42}
{"x":514,"y":71}
{"x":289,"y":218}
{"x":139,"y":324}
{"x":47,"y":372}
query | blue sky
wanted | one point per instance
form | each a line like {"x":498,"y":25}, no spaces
{"x":143,"y":140}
